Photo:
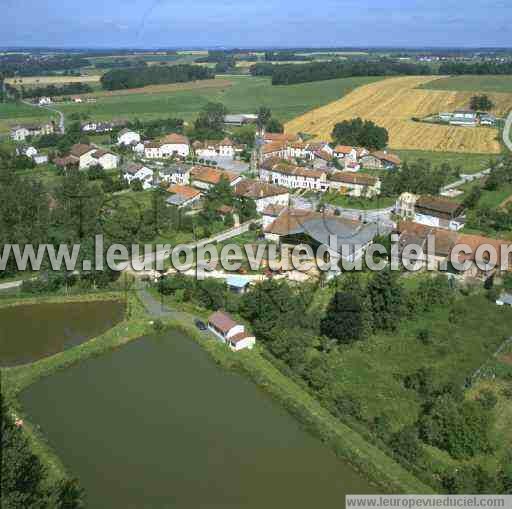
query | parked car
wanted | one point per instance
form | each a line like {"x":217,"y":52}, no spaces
{"x":201,"y":325}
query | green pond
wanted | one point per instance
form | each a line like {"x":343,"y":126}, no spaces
{"x":31,"y":332}
{"x":157,"y":424}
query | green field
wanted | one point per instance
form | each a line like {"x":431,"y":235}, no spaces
{"x":489,"y":83}
{"x":468,"y":163}
{"x":13,"y":113}
{"x":246,"y":95}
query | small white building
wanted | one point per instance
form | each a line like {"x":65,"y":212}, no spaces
{"x":107,"y":160}
{"x":174,"y":144}
{"x":43,"y":101}
{"x":127,"y":137}
{"x":345,"y":152}
{"x":137,"y":171}
{"x":229,"y":332}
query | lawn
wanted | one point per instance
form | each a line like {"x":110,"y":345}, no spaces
{"x":246,"y":94}
{"x":468,"y":163}
{"x":489,"y":83}
{"x":13,"y":113}
{"x":349,"y":202}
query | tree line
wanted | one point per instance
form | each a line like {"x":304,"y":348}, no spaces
{"x":288,"y":74}
{"x":25,"y":480}
{"x":475,"y":68}
{"x":118,"y":79}
{"x":53,"y":90}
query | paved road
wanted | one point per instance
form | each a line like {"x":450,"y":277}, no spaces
{"x":62,"y":126}
{"x":507,"y":132}
{"x":162,"y":255}
{"x":464,"y":179}
{"x":11,"y":285}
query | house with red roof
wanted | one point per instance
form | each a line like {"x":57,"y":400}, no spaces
{"x":230,"y":332}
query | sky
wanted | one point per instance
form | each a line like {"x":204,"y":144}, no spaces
{"x":255,"y":23}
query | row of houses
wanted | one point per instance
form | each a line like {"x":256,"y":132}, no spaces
{"x":290,"y":147}
{"x":445,"y":241}
{"x":21,"y":132}
{"x":298,"y":177}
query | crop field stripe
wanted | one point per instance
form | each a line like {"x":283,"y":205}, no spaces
{"x":392,"y":103}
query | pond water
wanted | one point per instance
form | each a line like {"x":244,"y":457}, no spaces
{"x":30,"y":332}
{"x":157,"y":424}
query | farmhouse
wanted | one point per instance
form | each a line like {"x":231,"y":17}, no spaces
{"x":171,"y":145}
{"x":204,"y":177}
{"x":439,"y":213}
{"x":381,"y":161}
{"x":182,"y":196}
{"x":97,"y":127}
{"x":280,"y":137}
{"x":342,"y":236}
{"x":465,"y":118}
{"x":294,"y":177}
{"x":480,"y":256}
{"x":137,"y":171}
{"x":174,"y":144}
{"x":22,"y":132}
{"x":355,"y":184}
{"x":275,"y":150}
{"x":271,"y":213}
{"x":86,"y":156}
{"x":229,"y":332}
{"x":224,"y":148}
{"x":414,"y":234}
{"x":107,"y":160}
{"x":262,"y":193}
{"x":127,"y":137}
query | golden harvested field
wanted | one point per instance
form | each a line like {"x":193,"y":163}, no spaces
{"x":163,"y":89}
{"x":53,"y":80}
{"x":393,"y":102}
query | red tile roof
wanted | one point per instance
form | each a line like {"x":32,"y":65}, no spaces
{"x":348,"y":177}
{"x":185,"y":191}
{"x":222,"y":321}
{"x":211,"y":175}
{"x":256,"y":189}
{"x":174,"y":139}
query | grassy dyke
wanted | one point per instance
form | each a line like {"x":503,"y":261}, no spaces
{"x":348,"y":445}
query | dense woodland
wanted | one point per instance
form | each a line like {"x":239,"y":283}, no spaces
{"x":155,"y":75}
{"x":359,"y":133}
{"x":288,"y":74}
